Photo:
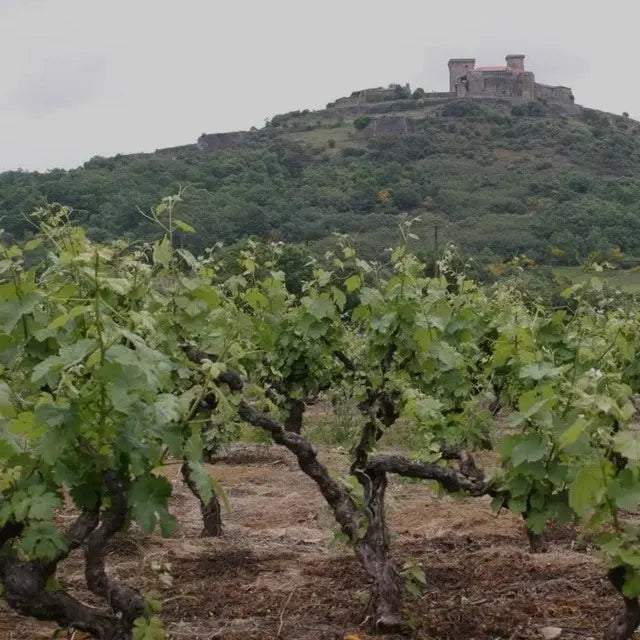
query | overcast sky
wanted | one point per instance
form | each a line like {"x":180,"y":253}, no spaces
{"x":80,"y":78}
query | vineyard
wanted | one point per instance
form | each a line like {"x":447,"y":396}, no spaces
{"x":131,"y":374}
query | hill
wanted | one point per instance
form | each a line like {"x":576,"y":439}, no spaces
{"x":495,"y":178}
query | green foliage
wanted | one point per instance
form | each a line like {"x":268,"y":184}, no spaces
{"x":96,"y":380}
{"x":148,"y":629}
{"x":362,"y":122}
{"x":564,"y":373}
{"x":414,"y":578}
{"x":528,"y":109}
{"x":405,"y":196}
{"x":461,"y":108}
{"x":95,"y":391}
{"x":499,"y":184}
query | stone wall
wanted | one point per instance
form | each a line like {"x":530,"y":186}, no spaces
{"x":527,"y":89}
{"x":390,"y":126}
{"x":393,"y":126}
{"x":377,"y":107}
{"x":566,"y":108}
{"x":210,"y":142}
{"x":438,"y":94}
{"x":429,"y":99}
{"x":499,"y":83}
{"x":352,"y":101}
{"x":374,"y":95}
{"x":553,"y":94}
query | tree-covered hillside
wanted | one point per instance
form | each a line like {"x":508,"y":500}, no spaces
{"x":495,"y":179}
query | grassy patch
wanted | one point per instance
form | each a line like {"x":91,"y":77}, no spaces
{"x":319,"y":138}
{"x":626,"y":280}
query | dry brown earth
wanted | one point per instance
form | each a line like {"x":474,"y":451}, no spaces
{"x":275,"y":572}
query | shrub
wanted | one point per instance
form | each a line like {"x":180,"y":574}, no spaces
{"x":405,"y":196}
{"x":362,"y":122}
{"x":535,"y":109}
{"x":578,"y":183}
{"x":461,"y":108}
{"x":595,"y":117}
{"x":352,"y":152}
{"x":507,"y":205}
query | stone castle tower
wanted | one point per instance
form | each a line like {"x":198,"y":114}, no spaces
{"x":459,"y":67}
{"x":515,"y":62}
{"x":509,"y":81}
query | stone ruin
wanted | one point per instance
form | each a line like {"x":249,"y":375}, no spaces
{"x":386,"y":125}
{"x":371,"y":96}
{"x":209,"y":142}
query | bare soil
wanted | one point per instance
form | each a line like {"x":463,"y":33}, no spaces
{"x":276,"y":572}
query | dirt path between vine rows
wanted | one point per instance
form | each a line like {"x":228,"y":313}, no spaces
{"x":278,"y":573}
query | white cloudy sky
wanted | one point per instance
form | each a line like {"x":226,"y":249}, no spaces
{"x":80,"y":78}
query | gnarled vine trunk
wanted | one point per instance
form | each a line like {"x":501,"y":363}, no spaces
{"x":373,"y":552}
{"x":25,"y":591}
{"x":295,"y":413}
{"x":624,"y":627}
{"x":210,"y":510}
{"x":26,"y":582}
{"x":537,"y":541}
{"x":122,"y":598}
{"x":371,"y":546}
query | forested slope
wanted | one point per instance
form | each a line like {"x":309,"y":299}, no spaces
{"x":495,"y":179}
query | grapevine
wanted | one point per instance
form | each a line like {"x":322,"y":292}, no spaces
{"x":119,"y":358}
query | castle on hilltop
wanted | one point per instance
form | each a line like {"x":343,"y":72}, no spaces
{"x":510,"y":81}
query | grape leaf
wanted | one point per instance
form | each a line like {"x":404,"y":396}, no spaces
{"x":587,"y":489}
{"x":531,"y":449}
{"x":148,"y":629}
{"x":626,"y":444}
{"x":148,"y":499}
